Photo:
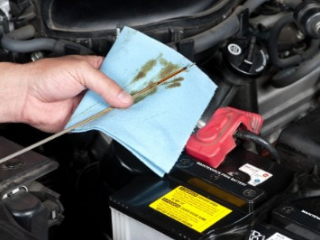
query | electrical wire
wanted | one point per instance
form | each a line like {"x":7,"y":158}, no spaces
{"x":250,"y":136}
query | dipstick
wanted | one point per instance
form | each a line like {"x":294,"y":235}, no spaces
{"x":89,"y":119}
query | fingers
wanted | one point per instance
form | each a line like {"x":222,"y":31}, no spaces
{"x":98,"y":82}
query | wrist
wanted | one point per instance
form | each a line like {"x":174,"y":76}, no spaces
{"x":12,"y":92}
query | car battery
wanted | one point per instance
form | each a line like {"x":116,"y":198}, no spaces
{"x":241,"y":175}
{"x":195,"y":200}
{"x":154,"y":208}
{"x":263,"y":173}
{"x":266,"y":231}
{"x":298,"y":219}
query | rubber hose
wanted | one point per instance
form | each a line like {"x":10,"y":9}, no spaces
{"x":247,"y":135}
{"x":15,"y":41}
{"x":213,"y":36}
{"x":223,"y":30}
{"x":23,"y":33}
{"x":312,"y":50}
{"x":291,"y":3}
{"x":254,"y":4}
{"x":289,"y":76}
{"x":273,"y":44}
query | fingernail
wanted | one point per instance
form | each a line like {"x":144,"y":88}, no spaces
{"x":125,"y":97}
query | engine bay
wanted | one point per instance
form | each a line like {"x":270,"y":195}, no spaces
{"x":257,"y":181}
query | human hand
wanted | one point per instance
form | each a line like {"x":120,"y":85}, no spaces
{"x":45,"y":93}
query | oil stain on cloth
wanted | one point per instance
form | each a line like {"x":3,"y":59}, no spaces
{"x":162,"y":71}
{"x":156,"y":128}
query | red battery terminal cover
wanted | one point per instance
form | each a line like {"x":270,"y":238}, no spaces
{"x":214,"y":141}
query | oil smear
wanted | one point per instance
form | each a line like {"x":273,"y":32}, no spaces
{"x":144,"y":70}
{"x":144,"y":94}
{"x":167,"y":68}
{"x":176,"y":82}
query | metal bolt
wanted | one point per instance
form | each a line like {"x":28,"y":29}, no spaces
{"x":287,"y":209}
{"x":37,"y":56}
{"x":185,"y":162}
{"x":286,"y":53}
{"x":249,"y":192}
{"x":214,"y":176}
{"x":300,"y":35}
{"x":13,"y":164}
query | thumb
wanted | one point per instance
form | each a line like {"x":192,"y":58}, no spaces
{"x":98,"y":82}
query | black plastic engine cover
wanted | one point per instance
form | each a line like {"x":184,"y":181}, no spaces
{"x":299,"y":144}
{"x":95,"y":15}
{"x":96,"y":23}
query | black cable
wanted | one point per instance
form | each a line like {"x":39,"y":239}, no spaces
{"x":247,"y":135}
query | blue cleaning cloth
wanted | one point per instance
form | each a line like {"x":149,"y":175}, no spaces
{"x":156,"y":128}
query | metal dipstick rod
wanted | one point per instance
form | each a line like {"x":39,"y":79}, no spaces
{"x":89,"y":119}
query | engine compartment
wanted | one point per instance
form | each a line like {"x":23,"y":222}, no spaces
{"x":263,"y":56}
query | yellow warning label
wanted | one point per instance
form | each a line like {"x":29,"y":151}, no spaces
{"x":190,"y":208}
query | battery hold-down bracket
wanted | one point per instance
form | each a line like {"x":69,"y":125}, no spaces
{"x":214,"y":141}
